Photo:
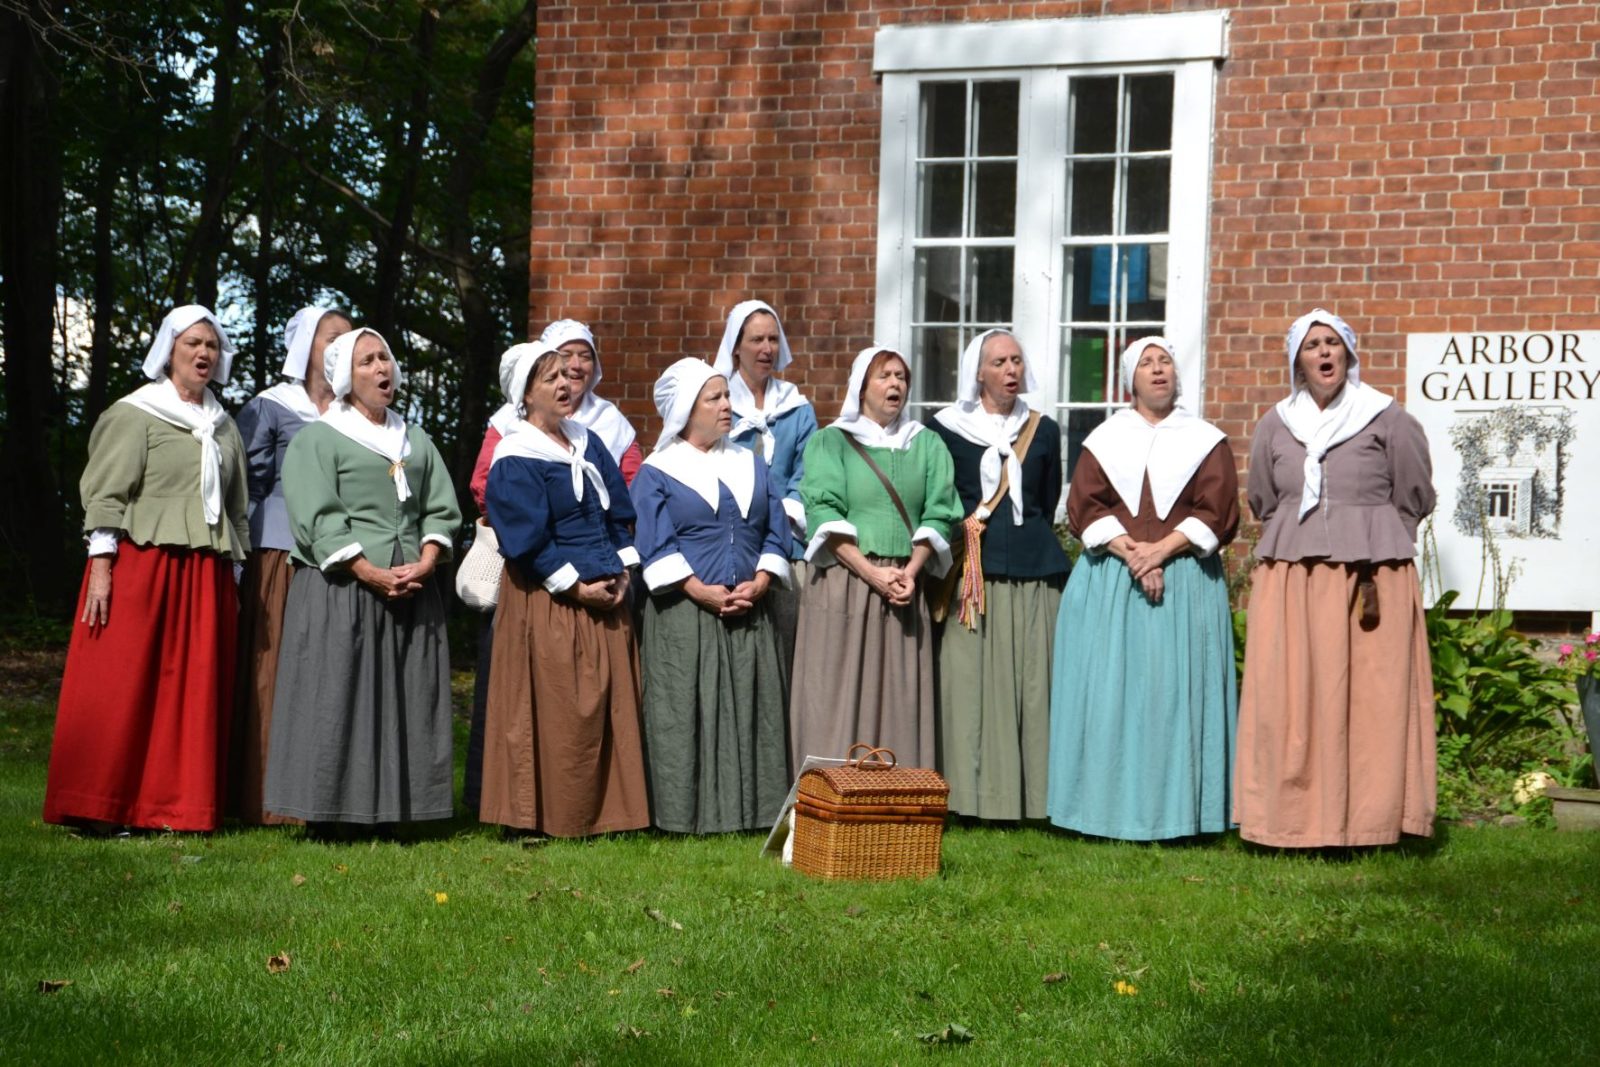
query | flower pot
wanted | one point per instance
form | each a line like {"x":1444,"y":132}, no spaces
{"x":1589,"y":701}
{"x":1576,"y":809}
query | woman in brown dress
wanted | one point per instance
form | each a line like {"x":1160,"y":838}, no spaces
{"x":1336,"y":732}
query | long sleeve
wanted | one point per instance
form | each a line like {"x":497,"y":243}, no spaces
{"x":260,"y":438}
{"x":630,"y":461}
{"x":806,"y":425}
{"x":236,"y":495}
{"x":1411,"y":467}
{"x":822,"y":491}
{"x":440,"y":520}
{"x":620,"y":517}
{"x":118,"y":448}
{"x":317,"y":513}
{"x":655,"y":534}
{"x":775,"y":543}
{"x":1261,"y":490}
{"x":941,"y":504}
{"x":1092,"y":504}
{"x":1214,"y":500}
{"x":519,"y":511}
{"x":480,"y":469}
{"x":1048,"y":436}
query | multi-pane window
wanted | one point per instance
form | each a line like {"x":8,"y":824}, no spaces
{"x":1051,"y":177}
{"x":965,"y":239}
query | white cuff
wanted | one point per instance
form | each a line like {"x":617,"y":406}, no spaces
{"x":103,"y":541}
{"x":1101,"y":532}
{"x":561,"y":580}
{"x":817,"y":550}
{"x":939,"y":566}
{"x":629,"y":556}
{"x":797,"y":515}
{"x":777,"y":566}
{"x":442,"y":540}
{"x":667,"y":571}
{"x":1199,"y":535}
{"x":344,"y":555}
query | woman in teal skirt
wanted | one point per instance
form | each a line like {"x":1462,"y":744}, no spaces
{"x":1143,"y":695}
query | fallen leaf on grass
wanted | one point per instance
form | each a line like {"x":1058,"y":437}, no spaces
{"x":339,"y":868}
{"x":952,"y":1034}
{"x":441,"y":898}
{"x":1126,"y":989}
{"x":278,"y":962}
{"x":655,"y":914}
{"x":854,"y":910}
{"x":527,"y":1009}
{"x":1055,"y":976}
{"x":633,"y":968}
{"x":666,"y":991}
{"x":629,"y":1030}
{"x":613,"y":992}
{"x":175,"y":906}
{"x":1198,"y":986}
{"x":298,"y":880}
{"x":1193,"y":879}
{"x":53,"y":985}
{"x":721,"y":994}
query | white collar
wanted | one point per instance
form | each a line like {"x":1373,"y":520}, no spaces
{"x":601,"y":418}
{"x":389,"y":440}
{"x":1319,"y":429}
{"x":724,"y":463}
{"x":526,"y":441}
{"x":995,"y":433}
{"x":781,"y":397}
{"x":1128,"y":448}
{"x":292,"y":397}
{"x":161,"y":399}
{"x":897,"y":435}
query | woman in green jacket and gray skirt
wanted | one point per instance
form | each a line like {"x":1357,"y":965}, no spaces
{"x":361,"y":717}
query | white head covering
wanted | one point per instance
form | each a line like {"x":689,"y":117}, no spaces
{"x":995,"y":433}
{"x":297,"y":337}
{"x":599,"y":417}
{"x":516,"y":363}
{"x":338,"y":359}
{"x":897,"y":434}
{"x":1346,"y":415}
{"x":676,"y":392}
{"x":1135,"y":352}
{"x":178,"y":320}
{"x":389,"y":440}
{"x":730,"y":338}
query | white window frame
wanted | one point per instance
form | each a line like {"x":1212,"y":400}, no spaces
{"x":1043,"y":55}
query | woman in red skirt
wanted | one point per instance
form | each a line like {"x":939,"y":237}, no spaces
{"x":141,"y":728}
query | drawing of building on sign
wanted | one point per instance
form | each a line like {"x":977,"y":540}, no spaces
{"x":1513,"y":466}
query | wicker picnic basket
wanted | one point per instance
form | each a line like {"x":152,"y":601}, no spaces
{"x":869,"y":819}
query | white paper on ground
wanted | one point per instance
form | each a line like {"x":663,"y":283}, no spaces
{"x":780,"y":842}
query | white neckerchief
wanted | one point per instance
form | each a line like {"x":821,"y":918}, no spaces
{"x":526,"y":441}
{"x":292,"y":396}
{"x":781,"y":397}
{"x":723,"y":463}
{"x":1319,"y":429}
{"x":996,"y":434}
{"x":161,"y":399}
{"x":502,"y":419}
{"x":897,"y":435}
{"x":601,"y":418}
{"x":389,"y":440}
{"x":1128,"y":448}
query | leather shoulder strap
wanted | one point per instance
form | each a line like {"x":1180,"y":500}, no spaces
{"x":888,"y":486}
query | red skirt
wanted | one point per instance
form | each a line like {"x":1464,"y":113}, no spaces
{"x":142,"y":725}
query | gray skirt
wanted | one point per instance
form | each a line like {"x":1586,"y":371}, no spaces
{"x":863,"y":671}
{"x":715,"y":718}
{"x":361,"y":715}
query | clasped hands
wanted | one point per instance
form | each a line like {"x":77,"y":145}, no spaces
{"x":725,"y":602}
{"x":396,"y":583}
{"x":1145,"y":560}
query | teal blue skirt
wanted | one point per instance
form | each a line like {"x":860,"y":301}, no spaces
{"x":1143,"y":703}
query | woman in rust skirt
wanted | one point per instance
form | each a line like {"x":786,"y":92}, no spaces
{"x":1336,"y":731}
{"x":562,"y":751}
{"x":267,"y":424}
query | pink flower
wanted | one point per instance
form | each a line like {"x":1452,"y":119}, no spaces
{"x":1592,"y":639}
{"x":1591,"y":655}
{"x":1566,"y":650}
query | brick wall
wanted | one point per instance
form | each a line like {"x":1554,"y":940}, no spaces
{"x":1417,"y":165}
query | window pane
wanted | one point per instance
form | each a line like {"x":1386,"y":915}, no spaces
{"x":944,"y":119}
{"x":939,"y":190}
{"x":936,"y":351}
{"x":995,"y":104}
{"x":938,"y":285}
{"x":1148,"y":188}
{"x":1089,"y":189}
{"x":1149,"y":112}
{"x":1094,"y":115}
{"x":1079,"y":424}
{"x":1084,"y":354}
{"x":994,"y":199}
{"x":1142,"y":289}
{"x":1088,"y":295}
{"x":989,"y":272}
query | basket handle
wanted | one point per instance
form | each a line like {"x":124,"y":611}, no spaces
{"x":875,"y":759}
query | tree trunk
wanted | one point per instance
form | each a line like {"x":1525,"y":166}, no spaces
{"x":392,"y":245}
{"x":105,"y":188}
{"x":204,"y":247}
{"x":266,"y":219}
{"x":30,"y":200}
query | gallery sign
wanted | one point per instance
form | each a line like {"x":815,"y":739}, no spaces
{"x":1513,"y":420}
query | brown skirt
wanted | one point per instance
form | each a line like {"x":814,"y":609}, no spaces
{"x":863,"y":671}
{"x":262,"y":595}
{"x":561,"y":752}
{"x":1336,"y":732}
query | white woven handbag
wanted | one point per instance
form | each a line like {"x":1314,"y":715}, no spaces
{"x":478,"y":573}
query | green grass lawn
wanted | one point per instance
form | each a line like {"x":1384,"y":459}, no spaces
{"x":1482,"y":947}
